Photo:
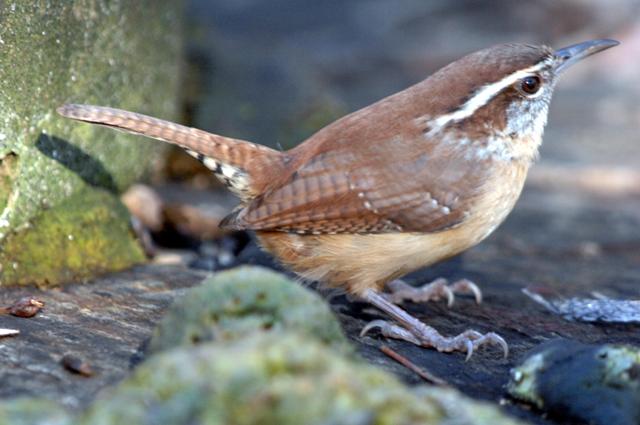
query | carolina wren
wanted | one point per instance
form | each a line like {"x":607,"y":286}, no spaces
{"x":415,"y":178}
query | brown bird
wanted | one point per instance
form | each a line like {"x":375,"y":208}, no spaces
{"x":411,"y":180}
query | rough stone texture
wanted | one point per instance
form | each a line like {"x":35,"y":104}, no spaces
{"x":52,"y":170}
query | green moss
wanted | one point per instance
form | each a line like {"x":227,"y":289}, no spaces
{"x":88,"y":234}
{"x":237,"y":302}
{"x":117,"y":53}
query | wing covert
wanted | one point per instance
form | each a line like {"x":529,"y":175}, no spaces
{"x":414,"y":192}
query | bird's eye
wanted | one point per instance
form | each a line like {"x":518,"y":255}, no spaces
{"x":530,"y":85}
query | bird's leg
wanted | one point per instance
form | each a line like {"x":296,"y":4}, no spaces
{"x":410,"y":329}
{"x":432,"y":291}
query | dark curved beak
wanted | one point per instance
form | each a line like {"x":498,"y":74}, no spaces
{"x":569,"y":55}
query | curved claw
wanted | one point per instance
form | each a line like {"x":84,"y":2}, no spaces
{"x":450,"y":295}
{"x":494,"y":338}
{"x":489,"y":338}
{"x":465,"y":285}
{"x":372,"y":325}
{"x":469,"y":350}
{"x":391,"y":330}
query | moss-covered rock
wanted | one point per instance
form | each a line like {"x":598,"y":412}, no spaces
{"x":239,"y":301}
{"x":32,"y":411}
{"x":115,"y":53}
{"x":275,"y":378}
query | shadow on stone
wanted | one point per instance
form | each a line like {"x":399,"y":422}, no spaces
{"x":75,"y":159}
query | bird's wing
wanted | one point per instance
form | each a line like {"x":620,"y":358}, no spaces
{"x":387,"y":187}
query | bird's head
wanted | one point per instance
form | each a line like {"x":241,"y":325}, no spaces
{"x":504,"y":92}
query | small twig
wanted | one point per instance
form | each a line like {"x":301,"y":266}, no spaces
{"x":427,"y":376}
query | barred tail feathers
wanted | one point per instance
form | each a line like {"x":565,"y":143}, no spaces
{"x":239,"y":164}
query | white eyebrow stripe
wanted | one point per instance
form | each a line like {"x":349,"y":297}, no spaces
{"x":483,"y":96}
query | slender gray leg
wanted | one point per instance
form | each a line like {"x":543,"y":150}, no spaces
{"x":433,"y":291}
{"x":413,"y":330}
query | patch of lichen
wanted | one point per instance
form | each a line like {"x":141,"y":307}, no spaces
{"x":117,"y":53}
{"x":240,"y":301}
{"x":85,"y":236}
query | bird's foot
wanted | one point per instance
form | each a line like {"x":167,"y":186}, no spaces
{"x":433,"y":291}
{"x":426,"y":336}
{"x":410,"y":329}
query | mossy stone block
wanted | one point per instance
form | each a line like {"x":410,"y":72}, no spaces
{"x":117,"y":53}
{"x":237,"y":302}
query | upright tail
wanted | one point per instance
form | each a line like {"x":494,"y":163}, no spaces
{"x":246,"y":168}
